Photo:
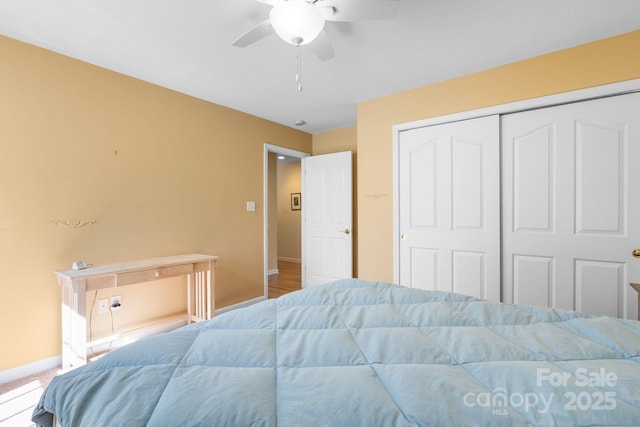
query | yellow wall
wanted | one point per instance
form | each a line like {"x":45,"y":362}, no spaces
{"x":162,"y":173}
{"x":335,"y":141}
{"x":602,"y":62}
{"x":289,"y":221}
{"x":159,"y":172}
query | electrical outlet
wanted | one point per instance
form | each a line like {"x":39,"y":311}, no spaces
{"x":116,"y":302}
{"x":103,"y":305}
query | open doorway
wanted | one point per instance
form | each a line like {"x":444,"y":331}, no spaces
{"x":282,"y":231}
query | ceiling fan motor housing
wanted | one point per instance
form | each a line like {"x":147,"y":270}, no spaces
{"x":296,"y":21}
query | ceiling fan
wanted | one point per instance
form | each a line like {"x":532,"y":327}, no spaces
{"x":301,"y":22}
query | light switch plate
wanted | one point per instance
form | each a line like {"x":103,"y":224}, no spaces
{"x":251,"y":206}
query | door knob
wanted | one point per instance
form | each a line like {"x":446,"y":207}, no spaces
{"x":345,"y":231}
{"x":636,"y":253}
{"x":403,"y":236}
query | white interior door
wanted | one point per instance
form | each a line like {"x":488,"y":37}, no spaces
{"x":571,"y":206}
{"x":327,"y":238}
{"x":449,"y":202}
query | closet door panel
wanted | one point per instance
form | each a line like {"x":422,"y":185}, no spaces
{"x":469,"y":273}
{"x":423,"y":168}
{"x":467,"y":186}
{"x":533,"y":180}
{"x":600,"y":174}
{"x":600,"y":287}
{"x":568,"y":197}
{"x":450,"y":208}
{"x":534,"y":280}
{"x":423,"y":268}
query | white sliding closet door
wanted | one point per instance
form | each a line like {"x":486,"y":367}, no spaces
{"x":449,"y":207}
{"x":571,"y":206}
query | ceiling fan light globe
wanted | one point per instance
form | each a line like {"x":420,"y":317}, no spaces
{"x":296,"y":21}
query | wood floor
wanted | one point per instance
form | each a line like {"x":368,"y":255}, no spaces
{"x":18,"y":398}
{"x":288,"y":279}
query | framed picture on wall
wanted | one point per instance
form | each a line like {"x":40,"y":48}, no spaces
{"x":296,"y":202}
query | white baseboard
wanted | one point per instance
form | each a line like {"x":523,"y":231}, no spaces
{"x":29,"y":369}
{"x":239,"y":305}
{"x":273,"y":271}
{"x":299,"y":261}
{"x":126,"y":337}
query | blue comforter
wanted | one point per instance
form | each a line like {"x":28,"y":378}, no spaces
{"x":353,"y":353}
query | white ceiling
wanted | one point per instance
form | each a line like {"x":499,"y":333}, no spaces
{"x":185,"y":45}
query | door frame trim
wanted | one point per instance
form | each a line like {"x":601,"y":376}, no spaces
{"x":269,"y":148}
{"x":608,"y":90}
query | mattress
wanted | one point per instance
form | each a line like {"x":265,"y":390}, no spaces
{"x":355,"y":353}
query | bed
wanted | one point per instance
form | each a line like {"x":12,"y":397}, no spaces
{"x":356,"y":353}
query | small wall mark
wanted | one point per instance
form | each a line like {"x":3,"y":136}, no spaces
{"x":376,"y":196}
{"x":74,"y":223}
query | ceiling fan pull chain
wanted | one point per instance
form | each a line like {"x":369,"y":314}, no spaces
{"x":299,"y":68}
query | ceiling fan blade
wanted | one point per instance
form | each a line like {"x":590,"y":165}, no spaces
{"x":360,"y":10}
{"x":271,"y":2}
{"x":258,"y":32}
{"x":322,"y":47}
